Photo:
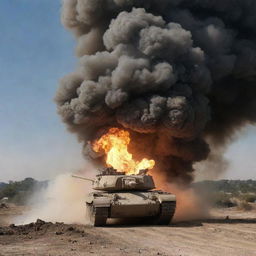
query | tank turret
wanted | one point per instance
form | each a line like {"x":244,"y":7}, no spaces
{"x":111,"y":180}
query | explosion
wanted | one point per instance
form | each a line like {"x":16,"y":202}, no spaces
{"x":179,"y":75}
{"x":115,"y":145}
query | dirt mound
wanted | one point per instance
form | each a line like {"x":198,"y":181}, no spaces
{"x":39,"y":227}
{"x":3,"y":205}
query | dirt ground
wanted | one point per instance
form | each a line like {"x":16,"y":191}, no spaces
{"x":235,"y":235}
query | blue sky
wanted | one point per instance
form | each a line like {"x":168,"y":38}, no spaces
{"x":35,"y":52}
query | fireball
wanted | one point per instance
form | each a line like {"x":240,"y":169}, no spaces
{"x":115,"y":145}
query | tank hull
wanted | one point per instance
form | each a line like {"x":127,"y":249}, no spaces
{"x":134,"y":204}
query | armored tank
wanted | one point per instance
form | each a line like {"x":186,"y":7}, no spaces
{"x":128,"y":196}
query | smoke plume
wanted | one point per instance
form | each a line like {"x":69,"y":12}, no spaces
{"x":172,"y":72}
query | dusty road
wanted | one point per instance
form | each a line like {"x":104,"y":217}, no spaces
{"x":235,"y":236}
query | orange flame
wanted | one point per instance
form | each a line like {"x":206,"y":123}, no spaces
{"x":115,"y":145}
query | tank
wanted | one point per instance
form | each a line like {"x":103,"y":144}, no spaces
{"x":123,"y":196}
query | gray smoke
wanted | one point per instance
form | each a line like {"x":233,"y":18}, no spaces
{"x":172,"y":72}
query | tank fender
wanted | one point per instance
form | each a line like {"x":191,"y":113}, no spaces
{"x":102,"y":202}
{"x":166,"y":198}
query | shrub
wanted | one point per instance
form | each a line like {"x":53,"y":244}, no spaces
{"x":221,"y":199}
{"x":248,"y":197}
{"x":245,"y":206}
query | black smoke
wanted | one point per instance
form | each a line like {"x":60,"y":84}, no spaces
{"x":172,"y":72}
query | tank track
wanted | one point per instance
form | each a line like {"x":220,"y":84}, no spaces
{"x":166,"y":214}
{"x":97,"y":215}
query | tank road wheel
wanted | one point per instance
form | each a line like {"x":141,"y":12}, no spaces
{"x":167,"y":210}
{"x":97,"y":215}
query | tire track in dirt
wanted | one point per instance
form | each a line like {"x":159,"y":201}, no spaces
{"x":206,"y":240}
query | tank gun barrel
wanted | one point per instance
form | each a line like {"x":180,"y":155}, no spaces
{"x":82,"y":178}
